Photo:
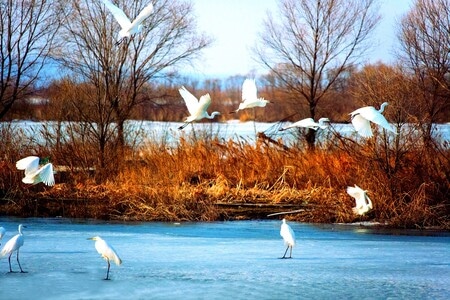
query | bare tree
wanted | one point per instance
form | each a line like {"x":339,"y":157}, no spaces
{"x":425,"y":51}
{"x":310,"y":43}
{"x":119,"y":73}
{"x":28,"y":28}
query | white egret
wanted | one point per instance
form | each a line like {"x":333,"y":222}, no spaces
{"x":35,"y":174}
{"x":249,"y":96}
{"x":2,"y":233}
{"x":197,"y":108}
{"x":128,"y":28}
{"x":106,"y":251}
{"x":362,"y":117}
{"x":12,"y":245}
{"x":363,"y":202}
{"x":309,"y":123}
{"x":288,"y":236}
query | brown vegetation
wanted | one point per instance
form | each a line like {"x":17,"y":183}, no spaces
{"x":196,"y":180}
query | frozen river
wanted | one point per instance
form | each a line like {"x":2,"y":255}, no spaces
{"x":224,"y":260}
{"x":167,"y":133}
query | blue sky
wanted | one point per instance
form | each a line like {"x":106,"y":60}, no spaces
{"x":234,"y":24}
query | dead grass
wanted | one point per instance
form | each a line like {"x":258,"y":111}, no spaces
{"x":185,"y":183}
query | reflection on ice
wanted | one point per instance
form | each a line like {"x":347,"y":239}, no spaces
{"x":225,"y":260}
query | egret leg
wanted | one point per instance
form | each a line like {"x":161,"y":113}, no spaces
{"x":9,"y":260}
{"x":18,"y":262}
{"x":107,"y":272}
{"x":119,"y":42}
{"x":290,"y":254}
{"x":182,"y":126}
{"x":284,"y":256}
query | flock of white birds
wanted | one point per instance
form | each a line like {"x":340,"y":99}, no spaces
{"x":41,"y":170}
{"x":107,"y":252}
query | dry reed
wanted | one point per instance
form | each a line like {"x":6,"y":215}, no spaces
{"x":186,"y":183}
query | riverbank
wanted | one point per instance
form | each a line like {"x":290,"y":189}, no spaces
{"x":208,"y":202}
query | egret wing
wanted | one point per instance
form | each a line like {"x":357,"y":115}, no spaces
{"x":46,"y":175}
{"x":249,"y":92}
{"x":357,"y":193}
{"x":368,"y":202}
{"x":12,"y":245}
{"x":362,"y":125}
{"x":203,"y":104}
{"x":380,"y":120}
{"x":287,"y":234}
{"x":118,"y":14}
{"x":115,"y":257}
{"x":143,"y":15}
{"x":191,"y":101}
{"x":292,"y":233}
{"x":107,"y":251}
{"x":30,"y":164}
{"x":309,"y":123}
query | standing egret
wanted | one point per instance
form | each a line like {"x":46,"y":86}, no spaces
{"x":197,"y":108}
{"x":2,"y":233}
{"x":363,"y":202}
{"x":128,"y":28}
{"x":288,"y":236}
{"x":106,"y":251}
{"x":249,"y":96}
{"x":309,"y":123}
{"x":35,"y":174}
{"x":362,"y":117}
{"x":12,"y":245}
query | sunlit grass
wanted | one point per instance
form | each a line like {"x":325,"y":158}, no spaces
{"x":185,"y":183}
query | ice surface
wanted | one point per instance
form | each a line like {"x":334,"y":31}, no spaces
{"x":224,"y":260}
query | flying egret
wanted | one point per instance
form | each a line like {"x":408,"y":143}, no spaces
{"x":362,"y":117}
{"x":12,"y":245}
{"x":288,"y":236}
{"x":249,"y":96}
{"x":128,"y":28}
{"x":106,"y":251}
{"x":197,"y":108}
{"x":309,"y":123}
{"x":363,"y":202}
{"x":35,"y":174}
{"x":2,"y":233}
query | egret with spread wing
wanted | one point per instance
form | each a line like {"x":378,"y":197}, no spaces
{"x":309,"y":123}
{"x":36,"y":170}
{"x":362,"y":117}
{"x":197,"y":108}
{"x":128,"y":28}
{"x":363,"y":202}
{"x":250,"y":96}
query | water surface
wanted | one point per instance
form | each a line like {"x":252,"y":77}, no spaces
{"x":225,"y":260}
